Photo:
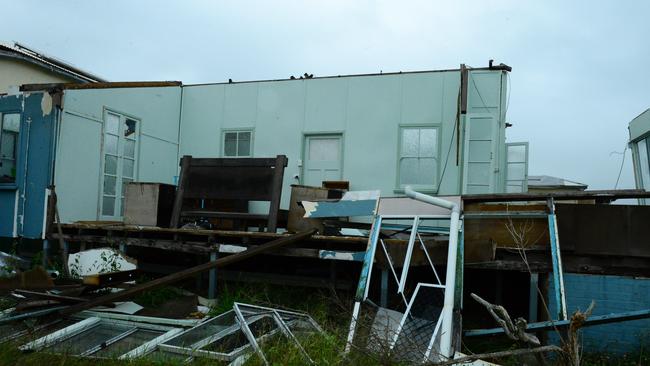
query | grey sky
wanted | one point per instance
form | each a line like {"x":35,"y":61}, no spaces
{"x":580,"y":69}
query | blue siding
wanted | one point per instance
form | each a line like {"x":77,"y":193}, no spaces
{"x":612,"y":294}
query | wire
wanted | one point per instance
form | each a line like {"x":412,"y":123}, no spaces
{"x":621,"y":168}
{"x":451,"y":143}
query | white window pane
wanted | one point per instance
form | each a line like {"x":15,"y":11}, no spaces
{"x":516,"y":153}
{"x":112,"y":123}
{"x":230,"y":144}
{"x":110,"y":144}
{"x":11,"y":122}
{"x":516,"y":171}
{"x":244,"y":144}
{"x":324,"y":149}
{"x":408,"y":171}
{"x":110,"y":164}
{"x":129,"y":148}
{"x":127,"y":168}
{"x":426,"y":171}
{"x":428,"y":142}
{"x":129,"y":128}
{"x":410,"y":141}
{"x":109,"y":184}
{"x":108,"y":206}
{"x":643,"y":162}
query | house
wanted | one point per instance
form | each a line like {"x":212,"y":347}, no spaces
{"x":442,"y":132}
{"x":547,"y":183}
{"x":639,"y":144}
{"x":20,"y":65}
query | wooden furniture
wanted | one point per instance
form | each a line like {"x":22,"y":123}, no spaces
{"x":245,"y":179}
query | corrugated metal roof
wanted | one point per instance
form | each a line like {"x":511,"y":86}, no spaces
{"x":541,"y":181}
{"x":28,"y":54}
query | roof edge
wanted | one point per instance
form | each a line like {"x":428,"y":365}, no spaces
{"x":106,"y":85}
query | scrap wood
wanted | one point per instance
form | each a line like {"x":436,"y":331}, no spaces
{"x":35,"y":304}
{"x":500,"y":354}
{"x":110,"y":278}
{"x":37,"y":278}
{"x":190,"y":272}
{"x":48,"y":296}
{"x":515,"y":331}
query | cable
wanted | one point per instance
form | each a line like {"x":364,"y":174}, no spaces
{"x":451,"y":143}
{"x":621,"y":168}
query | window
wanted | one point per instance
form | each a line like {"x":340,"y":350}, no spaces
{"x":9,"y":132}
{"x":120,"y":163}
{"x":418,"y":157}
{"x":237,"y":144}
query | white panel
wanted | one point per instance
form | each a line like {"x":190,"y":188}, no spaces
{"x":78,"y":168}
{"x":643,"y":161}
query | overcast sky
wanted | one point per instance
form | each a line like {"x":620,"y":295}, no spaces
{"x":581,"y":70}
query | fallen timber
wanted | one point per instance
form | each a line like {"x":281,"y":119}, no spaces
{"x":175,"y":277}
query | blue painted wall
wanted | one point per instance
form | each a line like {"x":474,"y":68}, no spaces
{"x":612,"y":294}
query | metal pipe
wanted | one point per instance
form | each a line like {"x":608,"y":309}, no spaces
{"x":450,"y":281}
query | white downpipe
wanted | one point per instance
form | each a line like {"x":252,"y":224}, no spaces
{"x":450,"y":281}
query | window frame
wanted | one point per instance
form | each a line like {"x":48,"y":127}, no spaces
{"x":426,"y":188}
{"x":17,"y":148}
{"x":119,"y":175}
{"x":225,"y":131}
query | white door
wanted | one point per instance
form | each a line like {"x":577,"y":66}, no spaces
{"x":322,"y":159}
{"x":516,"y":167}
{"x":480,"y":154}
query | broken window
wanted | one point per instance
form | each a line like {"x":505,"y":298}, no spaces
{"x":9,"y":132}
{"x":120,"y":163}
{"x":418,"y":157}
{"x":237,"y":144}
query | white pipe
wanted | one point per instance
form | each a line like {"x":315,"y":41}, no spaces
{"x":450,"y":282}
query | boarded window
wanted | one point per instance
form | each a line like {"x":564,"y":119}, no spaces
{"x":418,"y":157}
{"x":9,"y":132}
{"x":237,"y":144}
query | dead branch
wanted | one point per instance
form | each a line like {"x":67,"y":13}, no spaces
{"x":500,"y":354}
{"x":572,"y":347}
{"x":515,"y":331}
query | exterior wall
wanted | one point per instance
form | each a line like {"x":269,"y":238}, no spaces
{"x":17,"y":72}
{"x":639,"y":129}
{"x":22,"y":204}
{"x":612,"y":294}
{"x":367,"y":110}
{"x":79,"y":149}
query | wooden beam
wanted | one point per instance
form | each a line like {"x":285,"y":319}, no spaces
{"x":190,"y":272}
{"x":607,"y":195}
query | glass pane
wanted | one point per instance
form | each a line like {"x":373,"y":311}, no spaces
{"x":428,"y":142}
{"x":410,"y":141}
{"x":11,"y":122}
{"x":324,"y":149}
{"x":244,"y":144}
{"x":8,"y":145}
{"x":516,"y":153}
{"x":125,"y":182}
{"x":643,"y":162}
{"x":112,"y":123}
{"x":110,"y":164}
{"x":129,"y":148}
{"x":427,"y":172}
{"x":127,"y":167}
{"x":408,"y":171}
{"x":205,"y":330}
{"x":230,"y":144}
{"x":108,"y":206}
{"x":129,"y":128}
{"x":128,"y":343}
{"x":516,"y":171}
{"x":110,"y":144}
{"x":85,"y":340}
{"x":109,"y":184}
